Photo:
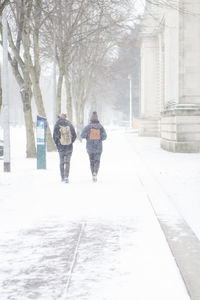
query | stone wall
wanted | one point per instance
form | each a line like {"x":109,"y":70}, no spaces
{"x":180,"y":128}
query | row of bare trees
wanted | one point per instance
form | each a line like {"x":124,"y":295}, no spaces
{"x":82,"y":35}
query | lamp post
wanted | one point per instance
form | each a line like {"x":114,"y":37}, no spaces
{"x":6,"y":128}
{"x":130,"y":101}
{"x":54,"y":76}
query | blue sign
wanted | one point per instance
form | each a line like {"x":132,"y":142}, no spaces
{"x":41,"y":142}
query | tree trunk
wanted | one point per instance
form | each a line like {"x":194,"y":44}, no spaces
{"x":26,"y":101}
{"x":41,"y":111}
{"x":35,"y":75}
{"x":30,"y":139}
{"x":59,"y":89}
{"x":0,"y":91}
{"x":24,"y":84}
{"x":68,"y":97}
{"x":79,"y":118}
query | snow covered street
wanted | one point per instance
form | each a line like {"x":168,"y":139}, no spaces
{"x":93,"y":241}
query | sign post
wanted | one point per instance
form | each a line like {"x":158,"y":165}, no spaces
{"x":41,"y":142}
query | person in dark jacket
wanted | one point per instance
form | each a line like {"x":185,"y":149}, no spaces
{"x":64,"y":143}
{"x":94,"y":133}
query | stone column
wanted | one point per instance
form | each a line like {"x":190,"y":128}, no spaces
{"x":171,"y":56}
{"x":180,"y":122}
{"x":149,"y":121}
{"x":151,"y":96}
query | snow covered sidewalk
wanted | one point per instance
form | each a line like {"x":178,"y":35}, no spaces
{"x":83,"y":240}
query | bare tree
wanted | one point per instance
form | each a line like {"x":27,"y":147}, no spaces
{"x":84,"y":34}
{"x":96,"y":52}
{"x":20,"y":12}
{"x":78,"y":28}
{"x":25,"y":20}
{"x":34,"y":24}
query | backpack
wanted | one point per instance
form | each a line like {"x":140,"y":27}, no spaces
{"x":95,"y":134}
{"x":65,"y":135}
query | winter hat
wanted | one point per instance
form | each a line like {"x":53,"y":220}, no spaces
{"x":94,"y":117}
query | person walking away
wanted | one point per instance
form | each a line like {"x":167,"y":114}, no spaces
{"x":94,"y":133}
{"x":64,"y":136}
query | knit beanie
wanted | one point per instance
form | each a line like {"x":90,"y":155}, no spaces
{"x":94,"y":117}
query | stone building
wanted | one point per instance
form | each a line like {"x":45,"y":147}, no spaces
{"x":170,"y":75}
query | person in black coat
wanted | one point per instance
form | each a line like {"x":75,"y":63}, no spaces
{"x":94,"y":133}
{"x":64,"y":136}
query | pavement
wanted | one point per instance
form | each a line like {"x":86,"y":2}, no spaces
{"x":182,"y":241}
{"x":129,"y":242}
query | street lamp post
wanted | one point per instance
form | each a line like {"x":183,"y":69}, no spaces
{"x":6,"y":128}
{"x":130,"y":101}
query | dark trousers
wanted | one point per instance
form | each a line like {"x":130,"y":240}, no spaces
{"x":65,"y":158}
{"x":94,"y":162}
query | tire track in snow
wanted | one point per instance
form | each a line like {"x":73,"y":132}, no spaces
{"x":95,"y":261}
{"x":69,"y":276}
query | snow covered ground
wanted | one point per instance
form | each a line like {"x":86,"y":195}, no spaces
{"x":85,"y":240}
{"x":177,"y":173}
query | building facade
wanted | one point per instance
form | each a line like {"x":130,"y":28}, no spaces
{"x":170,"y":75}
